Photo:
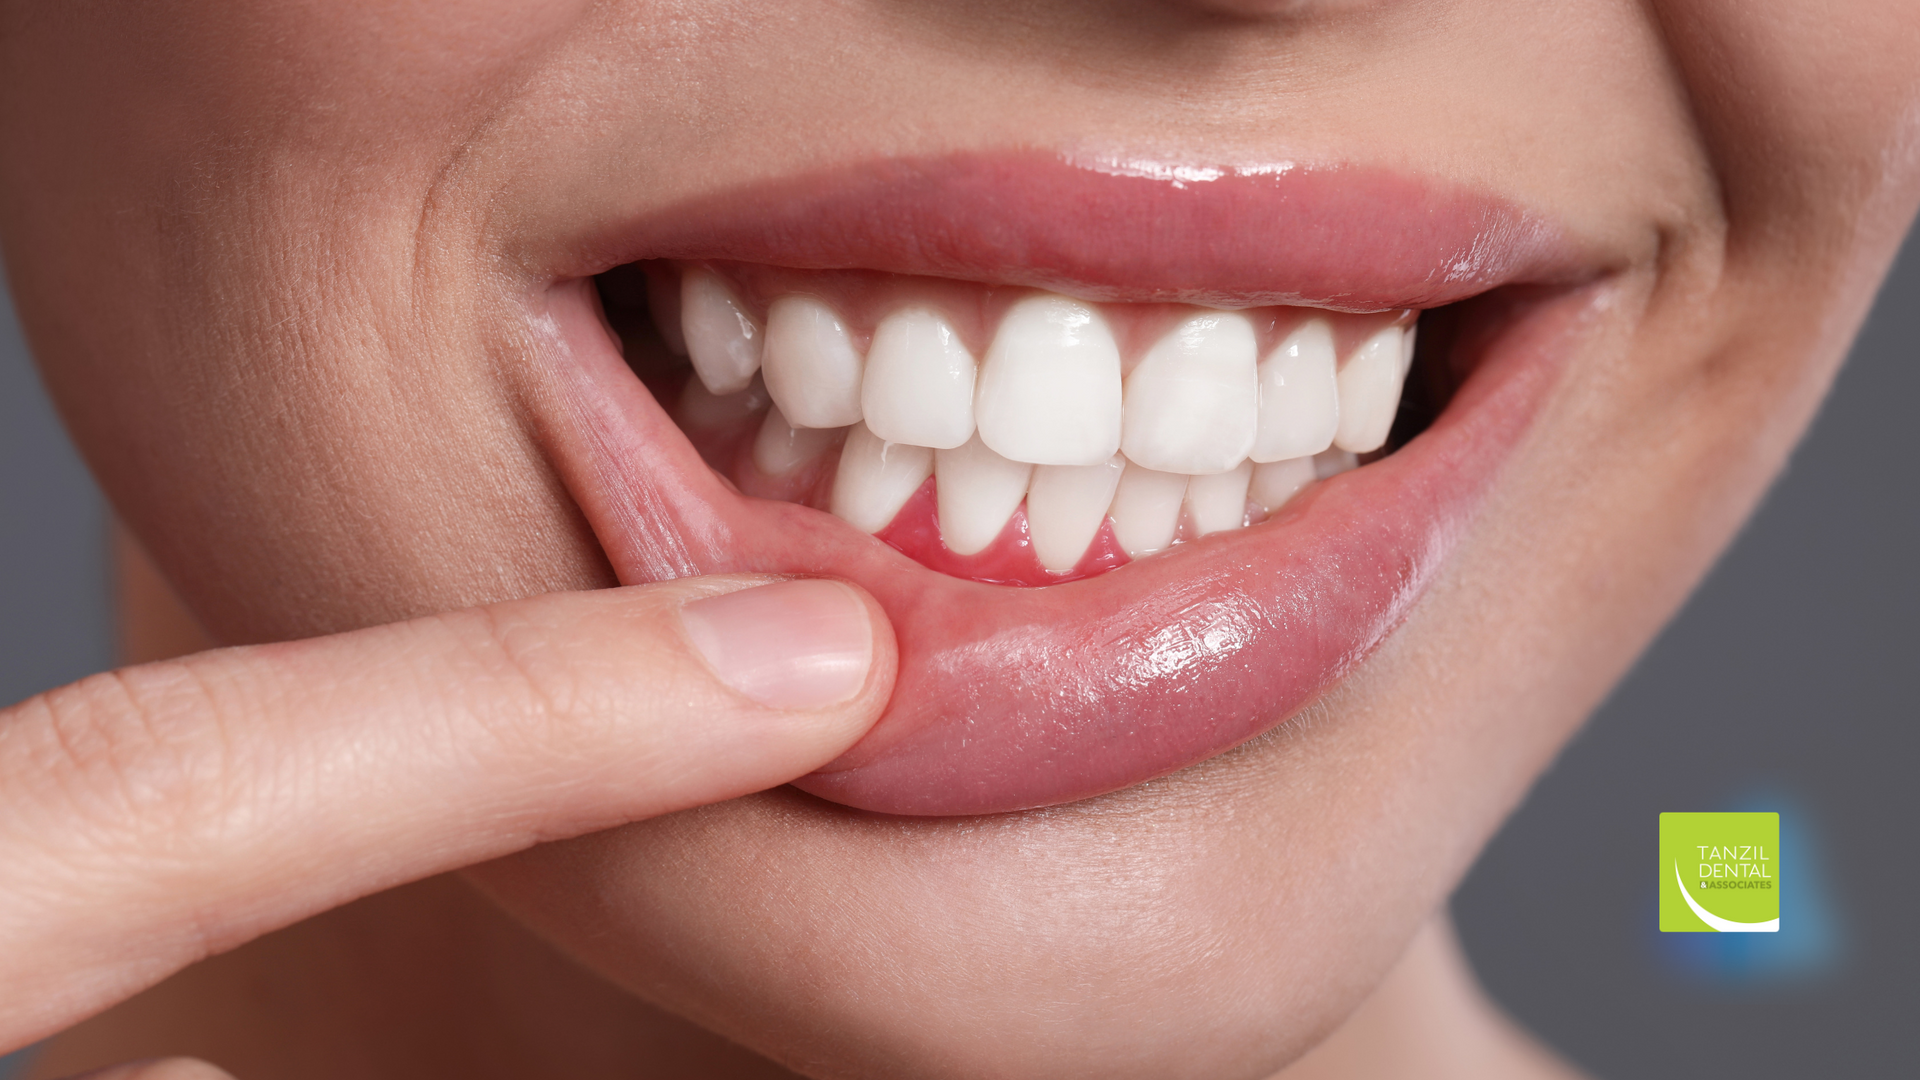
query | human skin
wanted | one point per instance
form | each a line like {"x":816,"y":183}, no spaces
{"x":366,"y":194}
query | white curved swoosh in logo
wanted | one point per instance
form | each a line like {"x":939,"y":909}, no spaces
{"x":1725,"y":926}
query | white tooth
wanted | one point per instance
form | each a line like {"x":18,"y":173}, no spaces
{"x":978,"y":491}
{"x":1218,"y":502}
{"x":919,"y":385}
{"x":1274,"y":482}
{"x":1050,"y":385}
{"x":876,"y":478}
{"x":1299,"y":395}
{"x":1333,"y":463}
{"x":811,"y":367}
{"x":722,"y":340}
{"x":1192,"y":402}
{"x":1406,"y":351}
{"x":781,"y":449}
{"x":1146,"y":509}
{"x":1370,"y":391}
{"x":700,"y":408}
{"x":1066,"y":505}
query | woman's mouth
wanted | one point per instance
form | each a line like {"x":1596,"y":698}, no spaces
{"x":1011,"y":436}
{"x":942,"y":379}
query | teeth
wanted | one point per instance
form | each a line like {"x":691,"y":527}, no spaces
{"x":1050,"y":385}
{"x":919,"y":386}
{"x":1065,"y":507}
{"x":1333,"y":463}
{"x":1275,"y":482}
{"x":1370,"y":391}
{"x":722,"y":340}
{"x":1146,"y":509}
{"x":1201,"y":433}
{"x":780,"y":449}
{"x":1218,"y":502}
{"x":978,"y":491}
{"x":1192,"y":404}
{"x":876,"y":478}
{"x":811,"y":367}
{"x":1299,"y":395}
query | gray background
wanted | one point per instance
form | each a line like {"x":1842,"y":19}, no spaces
{"x":55,"y":615}
{"x":1786,"y":684}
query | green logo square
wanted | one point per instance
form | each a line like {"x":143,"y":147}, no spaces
{"x":1720,"y":872}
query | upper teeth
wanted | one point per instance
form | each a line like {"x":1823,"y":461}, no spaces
{"x":723,"y":341}
{"x":1183,"y":430}
{"x":1192,"y":404}
{"x":920,"y":378}
{"x":1370,"y":390}
{"x":1050,"y":385}
{"x":811,"y":367}
{"x":1299,"y":395}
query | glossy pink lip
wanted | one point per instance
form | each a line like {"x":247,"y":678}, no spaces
{"x":1336,"y":236}
{"x":1012,"y":698}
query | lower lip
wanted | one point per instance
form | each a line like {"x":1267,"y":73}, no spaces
{"x":1011,"y":698}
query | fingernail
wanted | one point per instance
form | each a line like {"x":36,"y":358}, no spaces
{"x":789,"y":645}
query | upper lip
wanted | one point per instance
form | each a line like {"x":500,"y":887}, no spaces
{"x":1119,"y":230}
{"x":1014,"y":698}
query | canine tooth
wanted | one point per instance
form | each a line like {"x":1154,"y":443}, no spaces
{"x":1050,"y":385}
{"x":811,"y":367}
{"x":1334,"y":462}
{"x":723,"y":341}
{"x":978,"y":491}
{"x":1274,"y":482}
{"x":1065,"y":506}
{"x":1370,"y":391}
{"x":1192,"y":404}
{"x":919,"y":384}
{"x":1218,"y":502}
{"x":1299,"y":395}
{"x":1146,"y":509}
{"x":876,"y":478}
{"x":780,"y":448}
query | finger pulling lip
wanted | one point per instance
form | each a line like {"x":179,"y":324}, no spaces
{"x":1014,"y":698}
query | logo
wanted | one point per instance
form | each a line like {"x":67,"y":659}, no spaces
{"x":1720,"y":872}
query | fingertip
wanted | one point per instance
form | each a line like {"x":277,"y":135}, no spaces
{"x":797,"y":645}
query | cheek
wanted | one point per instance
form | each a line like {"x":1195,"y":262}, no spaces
{"x":355,"y":63}
{"x":314,"y":432}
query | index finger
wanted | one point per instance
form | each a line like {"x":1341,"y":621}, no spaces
{"x":152,"y":816}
